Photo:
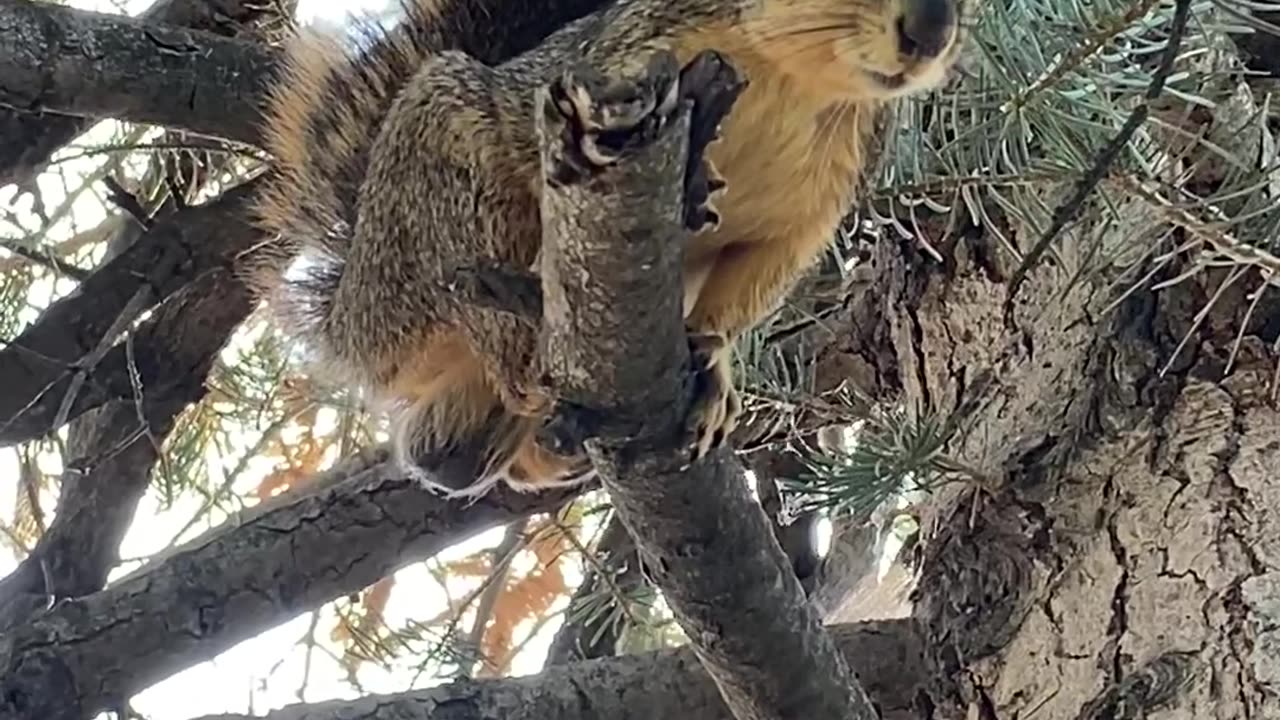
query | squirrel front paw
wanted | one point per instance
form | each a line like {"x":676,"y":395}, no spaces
{"x":712,"y":85}
{"x":716,"y":405}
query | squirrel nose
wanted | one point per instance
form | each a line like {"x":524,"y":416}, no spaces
{"x":925,"y":27}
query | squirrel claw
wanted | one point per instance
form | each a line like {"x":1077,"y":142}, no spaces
{"x":703,"y":183}
{"x":715,"y":181}
{"x":716,"y":406}
{"x":602,"y":117}
{"x":606,"y":115}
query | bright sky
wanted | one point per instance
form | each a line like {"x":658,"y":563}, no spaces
{"x":266,"y":672}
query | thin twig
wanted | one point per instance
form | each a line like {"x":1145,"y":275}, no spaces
{"x":503,"y":554}
{"x":127,"y":202}
{"x":310,"y":641}
{"x":135,"y":385}
{"x":605,"y":574}
{"x":47,"y":261}
{"x":1066,"y":212}
{"x":132,"y":310}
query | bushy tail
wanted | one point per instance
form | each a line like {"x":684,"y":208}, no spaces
{"x":330,"y":96}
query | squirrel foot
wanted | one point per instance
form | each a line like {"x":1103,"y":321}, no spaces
{"x":606,"y":115}
{"x":716,"y":405}
{"x":712,"y":85}
{"x":527,"y":398}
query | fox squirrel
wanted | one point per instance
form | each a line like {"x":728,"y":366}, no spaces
{"x":399,"y":162}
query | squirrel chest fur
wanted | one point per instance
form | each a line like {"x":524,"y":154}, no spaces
{"x":397,"y":166}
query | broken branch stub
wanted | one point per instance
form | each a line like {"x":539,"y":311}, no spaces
{"x":624,"y":182}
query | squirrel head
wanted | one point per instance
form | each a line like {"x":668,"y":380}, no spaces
{"x":861,"y":49}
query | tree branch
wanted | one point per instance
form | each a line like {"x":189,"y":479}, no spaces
{"x":147,"y":70}
{"x":78,"y":62}
{"x":47,"y":76}
{"x":611,"y":247}
{"x":358,"y":524}
{"x":798,"y":536}
{"x":105,"y":479}
{"x":665,"y":684}
{"x":40,"y":364}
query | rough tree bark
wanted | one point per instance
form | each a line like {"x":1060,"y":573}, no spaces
{"x":64,"y":65}
{"x":660,"y":685}
{"x":118,"y":66}
{"x":356,"y":524}
{"x":1115,"y":558}
{"x":28,"y":139}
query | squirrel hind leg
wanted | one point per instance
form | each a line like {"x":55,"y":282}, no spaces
{"x":469,"y":462}
{"x":534,"y":467}
{"x":456,"y":436}
{"x":444,"y":416}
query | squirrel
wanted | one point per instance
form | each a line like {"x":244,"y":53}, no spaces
{"x":400,"y":161}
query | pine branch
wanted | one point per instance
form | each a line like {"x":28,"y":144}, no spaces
{"x":1067,"y":211}
{"x":893,"y":450}
{"x":598,"y":611}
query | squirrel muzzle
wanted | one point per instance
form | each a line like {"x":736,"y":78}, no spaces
{"x":926,"y":28}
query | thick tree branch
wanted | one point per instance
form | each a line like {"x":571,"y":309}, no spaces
{"x":64,"y":77}
{"x":77,"y":62}
{"x":616,"y":348}
{"x":649,"y":686}
{"x":361,"y":522}
{"x":40,"y":365}
{"x":69,"y":62}
{"x":110,"y":452}
{"x":798,"y":536}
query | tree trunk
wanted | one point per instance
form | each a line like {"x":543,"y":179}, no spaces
{"x":1114,"y":553}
